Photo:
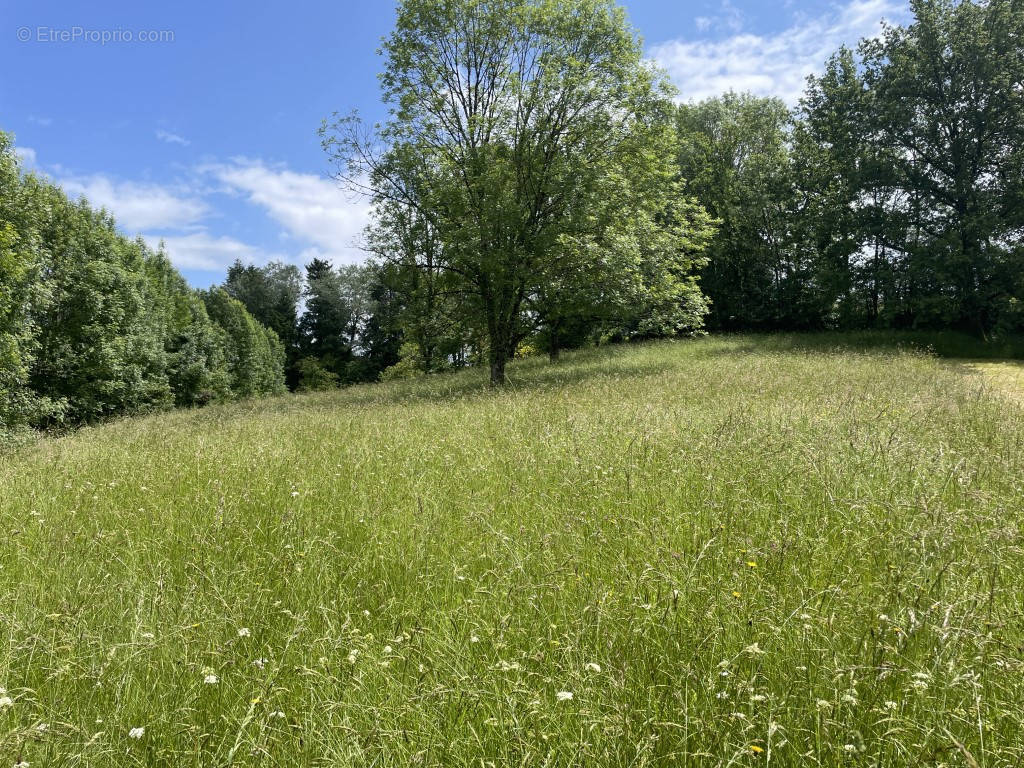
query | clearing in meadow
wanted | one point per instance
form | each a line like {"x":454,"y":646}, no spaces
{"x":725,"y":552}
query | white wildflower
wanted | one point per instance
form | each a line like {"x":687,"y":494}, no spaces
{"x":259,"y":663}
{"x":352,"y":656}
{"x":757,"y":698}
{"x":6,"y":702}
{"x":244,"y":632}
{"x":753,"y":649}
{"x":564,"y":695}
{"x":136,"y":733}
{"x":592,"y":667}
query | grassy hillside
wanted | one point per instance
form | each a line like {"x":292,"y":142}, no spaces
{"x":730,"y":552}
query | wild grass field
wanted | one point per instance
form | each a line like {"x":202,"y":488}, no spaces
{"x":722,"y":552}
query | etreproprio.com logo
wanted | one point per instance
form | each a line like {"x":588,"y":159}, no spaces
{"x":96,"y":36}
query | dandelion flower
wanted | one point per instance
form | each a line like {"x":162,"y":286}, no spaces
{"x":756,"y":749}
{"x":136,"y":733}
{"x":736,"y":593}
{"x":751,"y":564}
{"x":244,"y":632}
{"x":564,"y":695}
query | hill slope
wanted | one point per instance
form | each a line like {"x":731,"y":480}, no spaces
{"x":726,"y":551}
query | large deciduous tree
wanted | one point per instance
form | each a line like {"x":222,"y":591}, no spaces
{"x":949,"y":92}
{"x":511,"y":122}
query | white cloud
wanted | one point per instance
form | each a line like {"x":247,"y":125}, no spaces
{"x":768,"y":65}
{"x":26,"y":155}
{"x":44,"y":122}
{"x":729,"y":18}
{"x":137,"y":206}
{"x":311,"y":208}
{"x":204,"y":252}
{"x":172,"y":138}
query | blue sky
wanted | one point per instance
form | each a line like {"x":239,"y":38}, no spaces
{"x":205,"y":137}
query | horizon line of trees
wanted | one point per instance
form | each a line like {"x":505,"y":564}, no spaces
{"x":537,"y":188}
{"x":536,"y":185}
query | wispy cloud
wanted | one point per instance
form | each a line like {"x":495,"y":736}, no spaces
{"x":26,"y":155}
{"x":204,"y":252}
{"x":138,"y":206}
{"x":315,"y":218}
{"x":311,"y":208}
{"x":44,"y":122}
{"x":729,"y":18}
{"x":172,"y":138}
{"x":768,"y":65}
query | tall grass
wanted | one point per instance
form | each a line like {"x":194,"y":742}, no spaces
{"x":729,"y":552}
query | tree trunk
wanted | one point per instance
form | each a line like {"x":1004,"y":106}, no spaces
{"x":498,"y":370}
{"x":553,"y":348}
{"x":498,"y":353}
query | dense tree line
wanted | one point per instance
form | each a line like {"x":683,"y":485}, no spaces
{"x":535,"y":187}
{"x":94,"y":324}
{"x":333,"y":320}
{"x":892,"y":197}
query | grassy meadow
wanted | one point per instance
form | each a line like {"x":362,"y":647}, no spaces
{"x":734,"y":551}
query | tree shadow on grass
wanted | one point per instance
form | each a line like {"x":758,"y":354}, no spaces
{"x":944,"y":344}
